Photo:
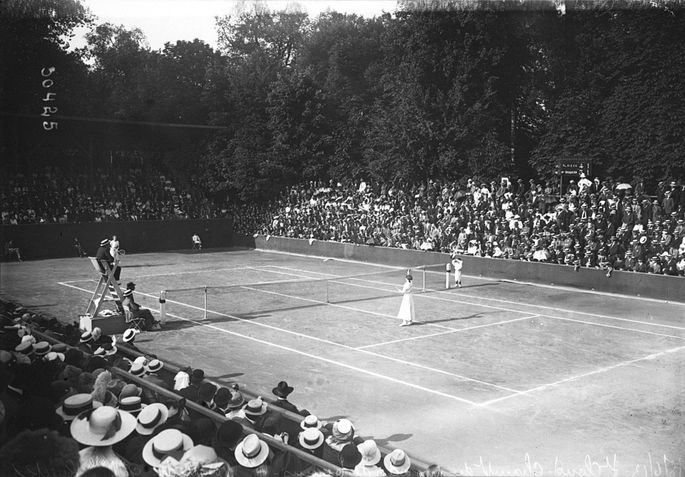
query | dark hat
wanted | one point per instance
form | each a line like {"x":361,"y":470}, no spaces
{"x":283,"y":390}
{"x":197,"y":375}
{"x":131,"y":286}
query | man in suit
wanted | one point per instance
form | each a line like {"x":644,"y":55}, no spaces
{"x":103,"y":256}
{"x":282,"y":391}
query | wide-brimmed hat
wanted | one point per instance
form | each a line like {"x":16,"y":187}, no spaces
{"x":255,"y":407}
{"x":311,"y":421}
{"x":251,"y":452}
{"x":150,"y":418}
{"x":343,"y":430}
{"x":104,"y":242}
{"x":75,"y":405}
{"x":168,"y":443}
{"x":103,"y":426}
{"x":282,"y":390}
{"x":397,"y":462}
{"x":154,"y":366}
{"x":311,"y":438}
{"x":129,"y":334}
{"x":370,"y":453}
{"x":132,"y":404}
{"x":237,"y":400}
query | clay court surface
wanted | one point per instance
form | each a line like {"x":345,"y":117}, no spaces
{"x":497,"y":378}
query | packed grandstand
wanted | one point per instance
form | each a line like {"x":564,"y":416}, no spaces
{"x":594,"y":223}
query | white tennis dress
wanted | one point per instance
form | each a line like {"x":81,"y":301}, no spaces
{"x":406,"y":312}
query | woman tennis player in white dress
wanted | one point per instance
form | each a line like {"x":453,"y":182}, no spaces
{"x":406,"y":313}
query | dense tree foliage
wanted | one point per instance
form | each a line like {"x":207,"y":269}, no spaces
{"x":472,"y":88}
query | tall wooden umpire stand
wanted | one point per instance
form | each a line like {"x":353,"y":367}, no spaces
{"x":107,"y":296}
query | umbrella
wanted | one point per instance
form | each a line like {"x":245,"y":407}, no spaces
{"x":623,"y":186}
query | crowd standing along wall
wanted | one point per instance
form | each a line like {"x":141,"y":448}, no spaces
{"x":627,"y":283}
{"x":38,"y":241}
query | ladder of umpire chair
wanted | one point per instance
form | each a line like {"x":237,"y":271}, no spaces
{"x":107,"y":289}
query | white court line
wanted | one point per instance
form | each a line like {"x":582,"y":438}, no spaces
{"x":511,"y":310}
{"x":480,"y":277}
{"x":565,"y":310}
{"x":612,"y":326}
{"x":332,"y":343}
{"x":579,"y":376}
{"x":455,"y":330}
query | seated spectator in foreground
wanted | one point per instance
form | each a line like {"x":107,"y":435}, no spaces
{"x":33,"y":453}
{"x":282,"y":391}
{"x":341,"y":434}
{"x":397,"y":463}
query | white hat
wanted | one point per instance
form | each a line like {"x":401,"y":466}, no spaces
{"x":369,"y":451}
{"x":168,"y":443}
{"x":311,"y":438}
{"x":251,"y":452}
{"x":154,"y":366}
{"x":102,"y":427}
{"x":311,"y":421}
{"x":151,"y":418}
{"x":75,"y":405}
{"x":129,"y":334}
{"x":397,"y":462}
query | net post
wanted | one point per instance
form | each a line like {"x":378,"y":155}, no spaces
{"x":162,"y":306}
{"x":447,"y":276}
{"x":205,"y":316}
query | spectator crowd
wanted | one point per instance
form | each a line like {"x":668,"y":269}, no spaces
{"x":594,"y":223}
{"x":58,"y":195}
{"x":65,"y":411}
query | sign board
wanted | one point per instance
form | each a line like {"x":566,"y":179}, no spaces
{"x":572,"y":167}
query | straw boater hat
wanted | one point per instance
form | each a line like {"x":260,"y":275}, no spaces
{"x":151,"y":418}
{"x":311,"y":438}
{"x":370,"y":453}
{"x":137,"y":369}
{"x":132,"y":404}
{"x":103,"y":426}
{"x":86,"y":337}
{"x":397,"y":462}
{"x":129,"y":335}
{"x":154,"y":366}
{"x":255,"y":407}
{"x":168,"y":443}
{"x":311,"y":421}
{"x":75,"y":405}
{"x":53,"y":356}
{"x":24,"y":348}
{"x":251,"y":452}
{"x":41,"y":348}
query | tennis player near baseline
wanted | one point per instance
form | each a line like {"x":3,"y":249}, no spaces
{"x":406,"y":313}
{"x":457,"y":264}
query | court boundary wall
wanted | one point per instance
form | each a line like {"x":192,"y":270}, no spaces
{"x":661,"y":287}
{"x":40,"y":241}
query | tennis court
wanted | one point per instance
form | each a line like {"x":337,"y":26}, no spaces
{"x":497,"y":378}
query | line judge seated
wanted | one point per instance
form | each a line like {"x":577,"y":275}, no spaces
{"x":104,"y":256}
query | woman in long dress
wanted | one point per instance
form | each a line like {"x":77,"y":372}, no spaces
{"x":406,"y":313}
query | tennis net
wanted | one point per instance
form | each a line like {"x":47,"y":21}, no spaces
{"x":252,"y":299}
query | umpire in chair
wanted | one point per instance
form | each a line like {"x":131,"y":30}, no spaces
{"x":137,"y":315}
{"x":103,"y":256}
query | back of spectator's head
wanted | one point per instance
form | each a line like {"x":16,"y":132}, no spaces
{"x":98,"y":472}
{"x":40,"y":453}
{"x":202,"y":430}
{"x":432,"y":471}
{"x":227,"y":436}
{"x":350,"y":456}
{"x":197,"y":376}
{"x":206,"y":392}
{"x":222,"y":397}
